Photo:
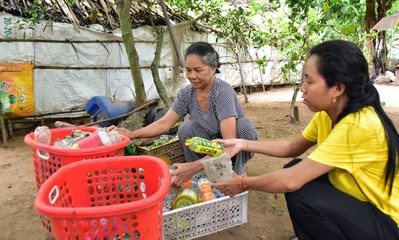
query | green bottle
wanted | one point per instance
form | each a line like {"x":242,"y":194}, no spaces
{"x":204,"y":146}
{"x":130,"y":149}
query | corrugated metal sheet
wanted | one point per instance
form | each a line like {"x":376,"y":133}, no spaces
{"x":387,"y":23}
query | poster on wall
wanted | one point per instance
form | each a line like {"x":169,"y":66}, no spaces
{"x":16,"y":90}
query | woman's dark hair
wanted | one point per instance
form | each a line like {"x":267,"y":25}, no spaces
{"x":343,"y":62}
{"x":206,"y":52}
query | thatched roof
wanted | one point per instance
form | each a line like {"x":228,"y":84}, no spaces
{"x":86,"y":12}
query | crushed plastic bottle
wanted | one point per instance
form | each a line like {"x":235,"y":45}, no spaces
{"x":62,"y":143}
{"x":69,"y":140}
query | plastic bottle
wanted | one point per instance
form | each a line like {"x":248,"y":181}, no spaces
{"x":205,"y":187}
{"x":193,"y":185}
{"x":217,"y":193}
{"x":171,"y":170}
{"x":42,"y":134}
{"x":101,"y":137}
{"x":130,"y":149}
{"x":67,"y":142}
{"x":63,"y":143}
{"x":186,"y":197}
{"x":204,"y":146}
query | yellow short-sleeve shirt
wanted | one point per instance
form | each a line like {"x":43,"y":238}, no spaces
{"x":358,"y":150}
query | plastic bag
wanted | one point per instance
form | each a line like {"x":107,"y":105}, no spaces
{"x":218,"y":168}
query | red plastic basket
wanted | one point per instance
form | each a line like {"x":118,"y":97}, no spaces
{"x":48,"y":159}
{"x":110,"y":198}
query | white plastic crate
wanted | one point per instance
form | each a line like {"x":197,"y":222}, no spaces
{"x":203,"y":218}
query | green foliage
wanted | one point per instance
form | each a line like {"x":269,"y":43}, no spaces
{"x":232,"y":22}
{"x":291,"y":27}
{"x":40,"y":10}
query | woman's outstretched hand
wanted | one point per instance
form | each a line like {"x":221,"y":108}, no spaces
{"x":232,"y":146}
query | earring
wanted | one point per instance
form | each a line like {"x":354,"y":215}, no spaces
{"x":334,"y":100}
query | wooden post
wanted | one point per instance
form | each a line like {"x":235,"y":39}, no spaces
{"x":3,"y":131}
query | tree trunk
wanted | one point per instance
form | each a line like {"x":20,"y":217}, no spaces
{"x":241,"y":73}
{"x":131,"y":52}
{"x":375,"y":11}
{"x":154,"y":69}
{"x":294,"y":115}
{"x":369,"y":21}
{"x":172,"y":34}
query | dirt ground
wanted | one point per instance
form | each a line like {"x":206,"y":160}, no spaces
{"x":267,"y":213}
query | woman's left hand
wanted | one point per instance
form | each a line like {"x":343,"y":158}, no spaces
{"x":230,"y":186}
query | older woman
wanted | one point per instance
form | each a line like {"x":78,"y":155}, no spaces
{"x":213,"y":108}
{"x":348,"y":187}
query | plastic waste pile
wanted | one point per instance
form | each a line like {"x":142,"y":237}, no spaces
{"x":78,"y":139}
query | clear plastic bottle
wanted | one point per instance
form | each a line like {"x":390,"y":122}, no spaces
{"x":205,"y":187}
{"x":42,"y":134}
{"x":62,"y":143}
{"x":193,"y":185}
{"x":67,"y":142}
{"x":101,"y":137}
{"x":204,"y":146}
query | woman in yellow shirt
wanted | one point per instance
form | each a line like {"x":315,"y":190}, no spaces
{"x":348,"y":187}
